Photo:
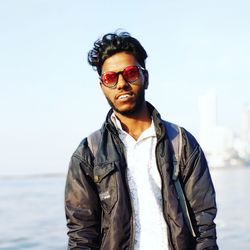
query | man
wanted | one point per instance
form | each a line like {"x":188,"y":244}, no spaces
{"x":119,"y":191}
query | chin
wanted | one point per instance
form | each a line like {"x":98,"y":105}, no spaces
{"x":127,"y":111}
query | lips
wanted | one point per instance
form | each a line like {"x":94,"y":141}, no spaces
{"x":123,"y":96}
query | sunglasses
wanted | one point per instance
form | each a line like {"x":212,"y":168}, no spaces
{"x":130,"y":75}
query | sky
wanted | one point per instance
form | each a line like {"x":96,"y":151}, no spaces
{"x":50,"y":98}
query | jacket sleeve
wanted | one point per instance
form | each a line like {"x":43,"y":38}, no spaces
{"x":200,"y":194}
{"x":81,"y":207}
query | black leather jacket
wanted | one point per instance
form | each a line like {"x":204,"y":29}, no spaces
{"x":97,"y":198}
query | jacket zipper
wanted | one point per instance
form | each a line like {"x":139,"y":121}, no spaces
{"x":132,"y":220}
{"x":121,"y":145}
{"x":162,"y":194}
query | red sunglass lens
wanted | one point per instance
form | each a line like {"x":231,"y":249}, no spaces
{"x":109,"y":78}
{"x":131,"y":73}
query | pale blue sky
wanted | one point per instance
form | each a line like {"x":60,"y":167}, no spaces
{"x":50,"y":98}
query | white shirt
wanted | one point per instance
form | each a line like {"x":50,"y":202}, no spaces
{"x":150,"y":229}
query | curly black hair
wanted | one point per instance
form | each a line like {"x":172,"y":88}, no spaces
{"x":113,"y":43}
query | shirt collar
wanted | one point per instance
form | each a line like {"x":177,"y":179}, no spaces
{"x":149,"y":132}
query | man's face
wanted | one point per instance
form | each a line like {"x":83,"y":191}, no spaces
{"x":126,"y":98}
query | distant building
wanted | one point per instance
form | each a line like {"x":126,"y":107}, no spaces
{"x":208,"y":118}
{"x":222,"y":147}
{"x":245,"y":135}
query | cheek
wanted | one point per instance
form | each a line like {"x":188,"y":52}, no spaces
{"x":104,"y":90}
{"x":108,"y":93}
{"x":139,"y":88}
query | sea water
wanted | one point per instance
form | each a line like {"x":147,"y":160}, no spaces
{"x":233,"y":219}
{"x":32,"y":211}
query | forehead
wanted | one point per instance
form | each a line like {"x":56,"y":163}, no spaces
{"x":118,"y":62}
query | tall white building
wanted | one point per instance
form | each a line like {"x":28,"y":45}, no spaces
{"x":217,"y":141}
{"x":208,"y":118}
{"x":246,"y":131}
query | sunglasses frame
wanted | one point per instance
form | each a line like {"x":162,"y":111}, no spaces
{"x":140,"y":68}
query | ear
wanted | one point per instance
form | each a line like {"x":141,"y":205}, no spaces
{"x":101,"y":86}
{"x":146,"y":80}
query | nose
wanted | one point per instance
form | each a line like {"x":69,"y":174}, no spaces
{"x":122,"y":83}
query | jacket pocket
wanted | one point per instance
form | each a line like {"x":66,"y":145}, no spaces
{"x":105,"y":179}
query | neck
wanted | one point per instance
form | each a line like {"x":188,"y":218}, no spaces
{"x":135,"y":124}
